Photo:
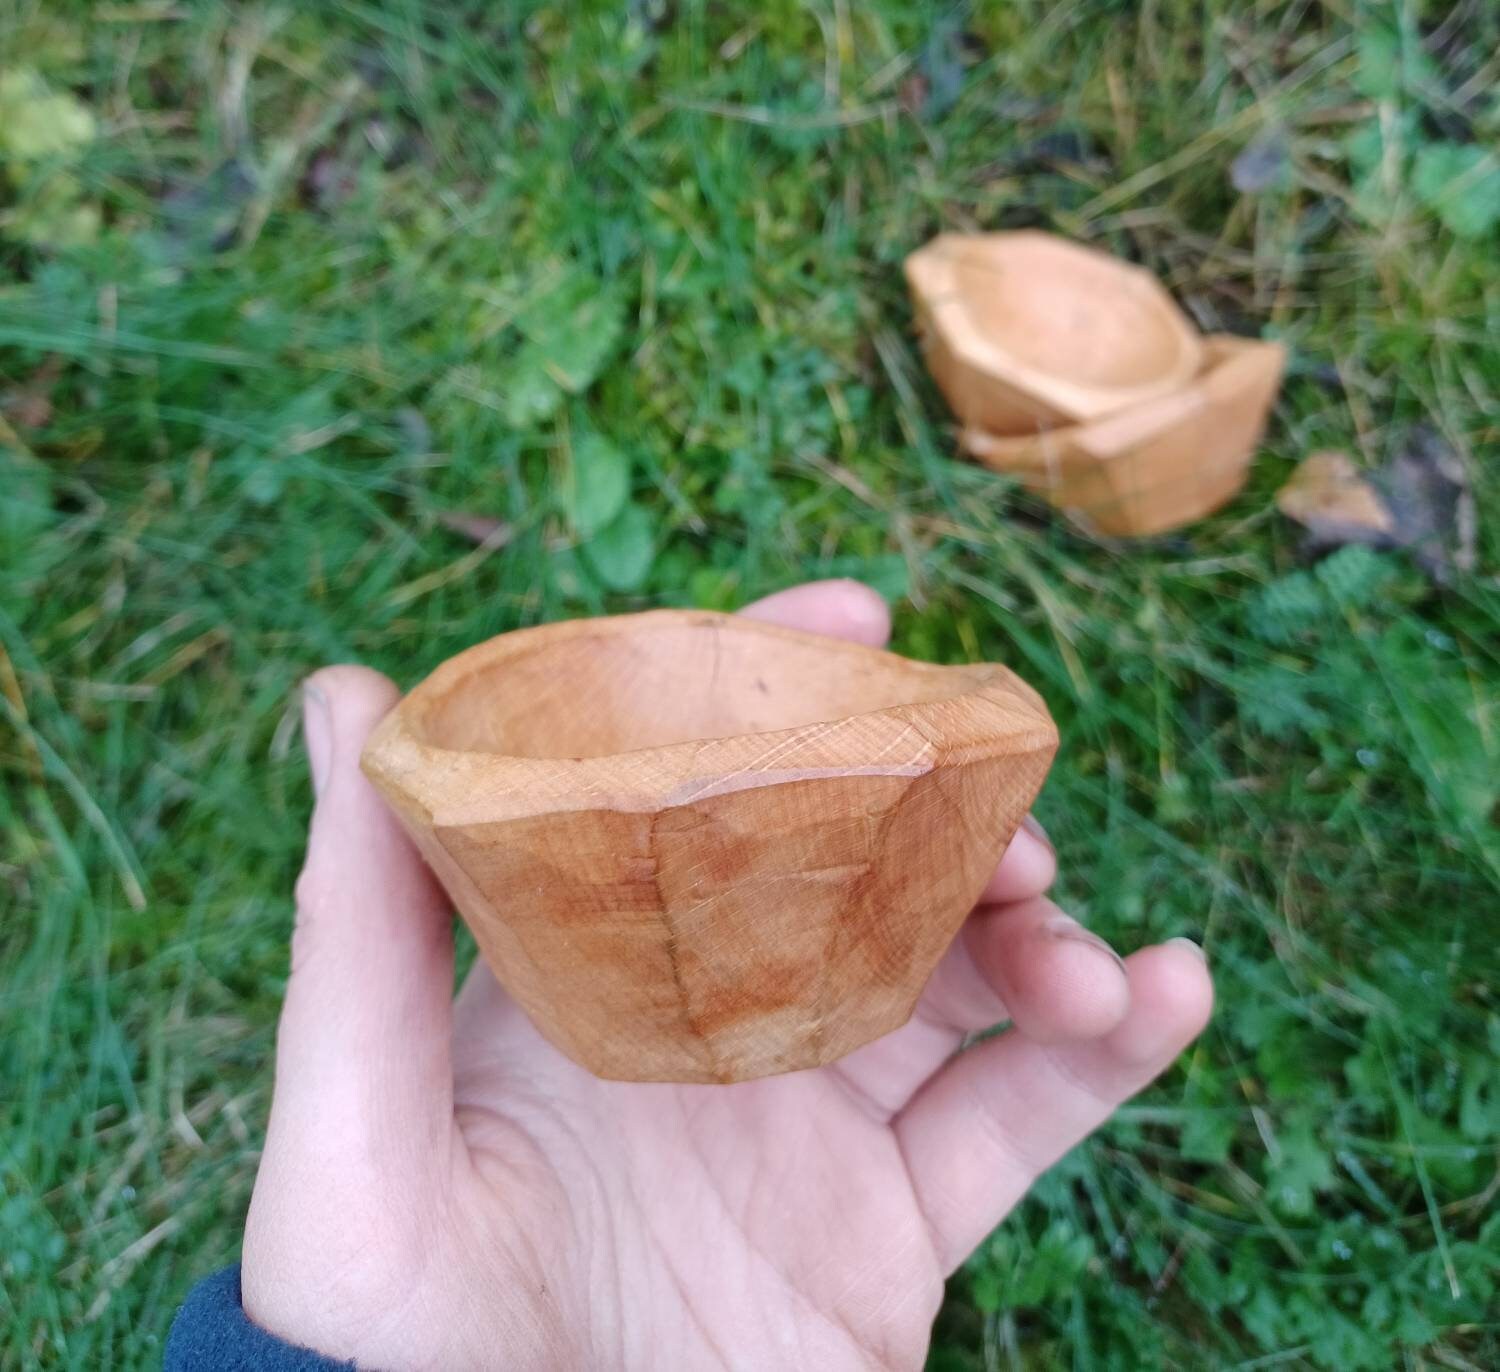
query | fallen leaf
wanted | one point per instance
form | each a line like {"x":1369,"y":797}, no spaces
{"x":1420,"y":500}
{"x":412,"y":425}
{"x":942,"y":65}
{"x":912,"y":94}
{"x":1061,"y":147}
{"x":202,"y":216}
{"x":485,"y":530}
{"x":1427,"y":489}
{"x":1262,"y":165}
{"x":329,"y":180}
{"x":1331,"y":499}
{"x":29,"y":406}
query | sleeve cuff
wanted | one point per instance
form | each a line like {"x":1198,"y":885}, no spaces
{"x":212,"y":1333}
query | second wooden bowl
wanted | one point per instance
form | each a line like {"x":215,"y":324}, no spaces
{"x":1026,"y":331}
{"x":696,"y":847}
{"x":1157,"y":465}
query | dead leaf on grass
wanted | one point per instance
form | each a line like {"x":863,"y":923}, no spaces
{"x":29,"y":405}
{"x":1329,"y":496}
{"x":1427,"y":489}
{"x":1420,"y":500}
{"x":1262,"y":164}
{"x":485,"y":530}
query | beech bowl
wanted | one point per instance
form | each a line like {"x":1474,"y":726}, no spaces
{"x":1026,"y":331}
{"x":699,"y":848}
{"x":1159,"y":464}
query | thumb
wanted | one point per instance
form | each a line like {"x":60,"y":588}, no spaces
{"x":363,"y":1051}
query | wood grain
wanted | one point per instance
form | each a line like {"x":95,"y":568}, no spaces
{"x":700,"y":848}
{"x":1157,"y":465}
{"x":1025,"y":331}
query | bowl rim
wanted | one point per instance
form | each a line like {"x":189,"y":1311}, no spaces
{"x":1112,"y":437}
{"x":442,"y":786}
{"x":930,"y":272}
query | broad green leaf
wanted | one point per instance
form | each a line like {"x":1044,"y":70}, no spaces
{"x":1460,"y":183}
{"x":1388,"y":66}
{"x":1208,"y":1135}
{"x":1379,"y":72}
{"x":1284,"y":609}
{"x":1336,"y":1341}
{"x":530,"y":392}
{"x":598,"y":484}
{"x":1302,"y":1169}
{"x":622,"y":552}
{"x":36,"y":121}
{"x":573,"y":327}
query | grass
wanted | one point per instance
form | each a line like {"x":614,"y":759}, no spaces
{"x":334,"y":271}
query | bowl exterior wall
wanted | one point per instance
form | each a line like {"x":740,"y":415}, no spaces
{"x":738,"y":934}
{"x":1167,"y":464}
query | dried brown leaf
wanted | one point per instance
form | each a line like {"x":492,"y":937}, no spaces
{"x":1420,"y":500}
{"x":485,"y":530}
{"x":29,"y":406}
{"x":1332,"y":500}
{"x":1427,"y":489}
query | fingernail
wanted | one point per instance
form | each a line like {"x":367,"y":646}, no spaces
{"x":1068,"y":929}
{"x":317,"y":733}
{"x":1033,"y":827}
{"x":1188,"y":943}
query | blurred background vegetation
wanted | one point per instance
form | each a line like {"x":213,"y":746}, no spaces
{"x":365,"y":329}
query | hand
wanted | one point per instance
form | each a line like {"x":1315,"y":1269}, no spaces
{"x":441,"y":1188}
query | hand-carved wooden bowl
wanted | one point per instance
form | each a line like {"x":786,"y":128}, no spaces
{"x":1157,"y":465}
{"x":700,"y":848}
{"x":1026,"y":331}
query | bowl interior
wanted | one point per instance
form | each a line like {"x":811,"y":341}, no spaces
{"x":1068,"y":313}
{"x":624,"y":684}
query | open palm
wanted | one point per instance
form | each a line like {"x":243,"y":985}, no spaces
{"x":441,"y":1188}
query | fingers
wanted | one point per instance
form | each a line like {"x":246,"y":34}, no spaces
{"x":1027,"y":868}
{"x":363,"y":1044}
{"x":835,"y":609}
{"x":968,"y":988}
{"x":979,"y":1133}
{"x":1027,"y":962}
{"x":1034,"y":965}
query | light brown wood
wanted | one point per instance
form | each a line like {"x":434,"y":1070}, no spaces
{"x":700,"y":848}
{"x":1157,"y":465}
{"x":1025,"y":331}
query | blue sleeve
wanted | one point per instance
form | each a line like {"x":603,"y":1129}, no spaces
{"x":212,"y":1333}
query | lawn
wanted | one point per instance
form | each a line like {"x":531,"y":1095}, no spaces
{"x":283,"y":290}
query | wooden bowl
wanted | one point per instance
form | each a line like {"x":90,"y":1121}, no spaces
{"x":1157,"y":465}
{"x":700,"y":848}
{"x":1026,"y":331}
